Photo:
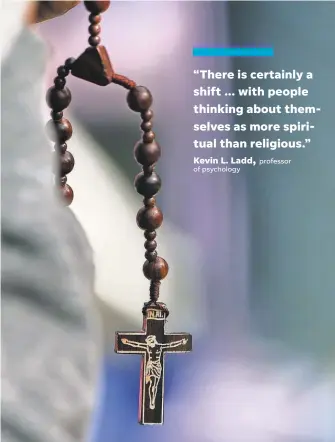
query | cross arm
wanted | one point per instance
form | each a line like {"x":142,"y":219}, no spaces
{"x":177,"y":343}
{"x":130,"y":342}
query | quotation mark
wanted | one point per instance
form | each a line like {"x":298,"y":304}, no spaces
{"x":227,"y":94}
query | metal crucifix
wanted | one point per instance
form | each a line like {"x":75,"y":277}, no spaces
{"x":152,"y":343}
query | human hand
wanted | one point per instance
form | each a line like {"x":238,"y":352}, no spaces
{"x":47,"y":10}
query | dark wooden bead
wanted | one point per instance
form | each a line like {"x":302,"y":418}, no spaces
{"x":150,"y":246}
{"x":66,"y":163}
{"x":94,"y":30}
{"x":156,"y":270}
{"x":69,"y":62}
{"x":147,"y":186}
{"x":97,"y":7}
{"x":59,"y":131}
{"x":150,"y":236}
{"x":94,"y":41}
{"x":60,"y":148}
{"x":62,"y":71}
{"x":146,"y":126}
{"x":147,"y":115}
{"x":150,"y":256}
{"x":94,"y":19}
{"x":149,"y":218}
{"x":59,"y":82}
{"x":67,"y":194}
{"x":147,"y":153}
{"x":148,"y":137}
{"x":139,"y":99}
{"x":58,"y":99}
{"x":56,"y":115}
{"x":64,"y":130}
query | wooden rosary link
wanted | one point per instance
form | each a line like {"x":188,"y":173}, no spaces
{"x":95,"y":8}
{"x":148,"y":183}
{"x":59,"y":98}
{"x":59,"y":129}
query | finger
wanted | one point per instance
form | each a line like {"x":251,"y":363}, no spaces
{"x":47,"y":10}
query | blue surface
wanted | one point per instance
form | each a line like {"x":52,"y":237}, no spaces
{"x":233,"y":52}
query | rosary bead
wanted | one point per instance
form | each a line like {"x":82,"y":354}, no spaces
{"x":69,"y":62}
{"x":66,"y":163}
{"x":150,"y":246}
{"x":56,"y":115}
{"x":148,"y":137}
{"x":94,"y":30}
{"x":147,"y":186}
{"x":58,"y":99}
{"x":149,"y":218}
{"x":63,"y":71}
{"x":139,"y":99}
{"x":147,"y":115}
{"x":147,"y":153}
{"x":94,"y":19}
{"x":150,"y":256}
{"x":156,"y":270}
{"x":67,"y":194}
{"x":61,"y":148}
{"x":64,"y":130}
{"x":59,"y":82}
{"x":59,"y":131}
{"x":146,"y":126}
{"x":94,"y":41}
{"x":97,"y":7}
{"x":150,"y":236}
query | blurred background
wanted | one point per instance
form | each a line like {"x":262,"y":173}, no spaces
{"x":262,"y":304}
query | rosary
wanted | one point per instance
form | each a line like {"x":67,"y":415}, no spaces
{"x":152,"y":343}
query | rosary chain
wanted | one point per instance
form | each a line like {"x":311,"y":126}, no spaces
{"x":148,"y":183}
{"x":59,"y":129}
{"x":95,"y":9}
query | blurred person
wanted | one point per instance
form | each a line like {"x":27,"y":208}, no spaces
{"x":50,"y":352}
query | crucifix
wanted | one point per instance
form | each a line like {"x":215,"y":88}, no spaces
{"x":94,"y":66}
{"x":152,"y":343}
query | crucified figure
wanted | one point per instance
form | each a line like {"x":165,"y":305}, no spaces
{"x":153,"y":367}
